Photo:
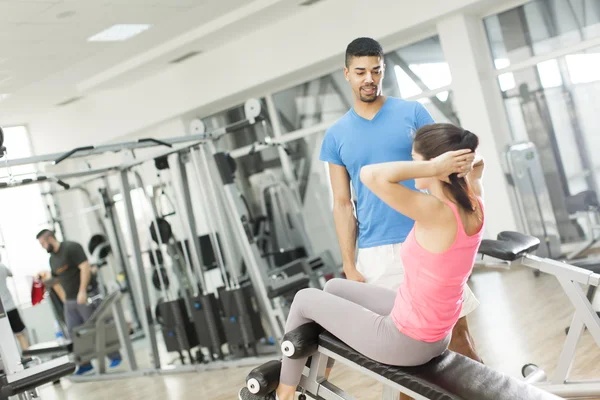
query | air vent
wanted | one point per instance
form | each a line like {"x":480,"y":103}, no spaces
{"x":69,"y":101}
{"x":309,"y":2}
{"x":185,"y":57}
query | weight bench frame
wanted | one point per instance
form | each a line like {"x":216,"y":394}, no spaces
{"x":314,"y":383}
{"x":517,"y":249}
{"x":570,"y":278}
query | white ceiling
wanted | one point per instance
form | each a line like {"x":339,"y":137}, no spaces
{"x":45,"y":58}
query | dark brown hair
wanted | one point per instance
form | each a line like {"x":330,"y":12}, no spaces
{"x":363,"y":47}
{"x":45,"y":232}
{"x":436,"y":139}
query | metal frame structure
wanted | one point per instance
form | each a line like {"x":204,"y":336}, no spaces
{"x":315,"y":384}
{"x":204,"y":142}
{"x":570,"y":278}
{"x":14,"y":369}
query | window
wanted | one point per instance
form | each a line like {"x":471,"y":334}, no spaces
{"x":539,"y":27}
{"x":550,"y":101}
{"x":22,"y":215}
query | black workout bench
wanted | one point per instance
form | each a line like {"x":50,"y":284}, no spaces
{"x":449,"y":376}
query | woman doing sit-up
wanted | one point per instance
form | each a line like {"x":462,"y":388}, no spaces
{"x":413,"y":325}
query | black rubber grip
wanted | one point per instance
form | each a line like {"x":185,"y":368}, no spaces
{"x":302,"y":341}
{"x":264,"y":379}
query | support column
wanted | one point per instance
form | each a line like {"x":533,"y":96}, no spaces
{"x":480,"y":108}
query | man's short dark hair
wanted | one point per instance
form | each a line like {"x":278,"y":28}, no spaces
{"x":363,"y":47}
{"x":45,"y":232}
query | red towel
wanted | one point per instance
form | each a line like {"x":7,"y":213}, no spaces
{"x":37,"y":291}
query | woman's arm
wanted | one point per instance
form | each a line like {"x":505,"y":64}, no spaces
{"x":382,"y":179}
{"x":475,"y":176}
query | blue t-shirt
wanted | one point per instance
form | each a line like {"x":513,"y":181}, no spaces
{"x":354,"y":142}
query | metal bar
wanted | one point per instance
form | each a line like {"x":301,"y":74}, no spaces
{"x":530,"y":62}
{"x":567,"y":355}
{"x":572,"y":389}
{"x":119,"y":242}
{"x":101,"y":344}
{"x":339,"y":92}
{"x":329,"y":391}
{"x":36,"y":369}
{"x":213,"y":213}
{"x":9,"y":352}
{"x":139,"y":144}
{"x":191,"y":226}
{"x":72,"y":152}
{"x":441,"y":106}
{"x":147,"y":318}
{"x":189,"y":369}
{"x":583,"y":308}
{"x":288,"y":137}
{"x":368,"y":372}
{"x":123,"y":333}
{"x":559,"y":269}
{"x":286,"y":163}
{"x":251,"y":256}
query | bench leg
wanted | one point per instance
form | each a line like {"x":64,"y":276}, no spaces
{"x":389,"y":393}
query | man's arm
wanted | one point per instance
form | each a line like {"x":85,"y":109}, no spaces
{"x":77,"y":256}
{"x":85,"y":272}
{"x":59,"y":291}
{"x":345,"y":222}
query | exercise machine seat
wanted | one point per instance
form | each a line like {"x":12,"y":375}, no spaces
{"x":509,"y":246}
{"x":582,"y":201}
{"x":48,"y":348}
{"x":450,"y":376}
{"x":289,"y":285}
{"x":45,"y":375}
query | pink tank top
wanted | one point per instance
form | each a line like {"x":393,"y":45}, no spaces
{"x":429,"y":301}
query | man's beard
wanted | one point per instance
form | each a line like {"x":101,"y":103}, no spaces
{"x":50,"y":249}
{"x":370,"y":98}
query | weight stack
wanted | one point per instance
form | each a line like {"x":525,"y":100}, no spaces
{"x":241,"y":319}
{"x":207,"y":322}
{"x":178,"y":331}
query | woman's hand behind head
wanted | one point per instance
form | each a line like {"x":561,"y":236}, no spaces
{"x":453,"y":162}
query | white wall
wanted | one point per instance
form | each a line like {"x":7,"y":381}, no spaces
{"x":479,"y":106}
{"x":308,"y":43}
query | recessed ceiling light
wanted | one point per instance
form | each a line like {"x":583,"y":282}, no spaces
{"x":65,"y":14}
{"x":309,"y":2}
{"x":119,"y":32}
{"x":185,"y":57}
{"x":4,"y":96}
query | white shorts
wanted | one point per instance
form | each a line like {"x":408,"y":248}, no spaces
{"x":382,"y":266}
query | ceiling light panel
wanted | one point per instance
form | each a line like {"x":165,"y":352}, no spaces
{"x":119,"y":32}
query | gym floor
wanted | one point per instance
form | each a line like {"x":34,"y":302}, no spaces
{"x":521,"y":320}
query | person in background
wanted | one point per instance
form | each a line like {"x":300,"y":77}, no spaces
{"x":16,"y":323}
{"x":74,"y":283}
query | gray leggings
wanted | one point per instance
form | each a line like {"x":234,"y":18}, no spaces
{"x":359,"y":315}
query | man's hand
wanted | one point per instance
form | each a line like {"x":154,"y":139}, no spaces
{"x":352,"y":274}
{"x":81,"y":298}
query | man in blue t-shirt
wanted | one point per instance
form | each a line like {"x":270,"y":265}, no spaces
{"x":377,"y":129}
